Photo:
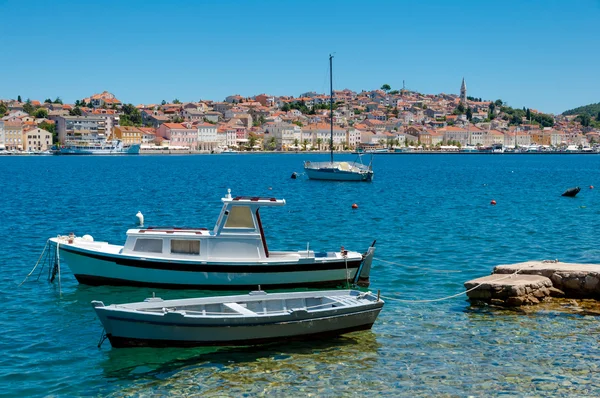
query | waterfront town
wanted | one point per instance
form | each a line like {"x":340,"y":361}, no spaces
{"x":377,"y":120}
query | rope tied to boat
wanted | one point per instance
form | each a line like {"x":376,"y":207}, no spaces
{"x":37,"y":263}
{"x":454,"y":295}
{"x":417,"y":267}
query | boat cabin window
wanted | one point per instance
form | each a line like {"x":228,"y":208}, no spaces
{"x":179,"y":246}
{"x":148,"y":245}
{"x":239,"y":217}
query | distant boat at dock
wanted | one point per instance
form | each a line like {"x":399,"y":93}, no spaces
{"x":96,"y":147}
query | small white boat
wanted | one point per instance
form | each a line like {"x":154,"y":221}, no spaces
{"x":232,"y":256}
{"x":248,"y":319}
{"x":334,"y":170}
{"x":97,"y":147}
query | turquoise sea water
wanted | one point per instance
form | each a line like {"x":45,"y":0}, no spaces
{"x":435,"y":229}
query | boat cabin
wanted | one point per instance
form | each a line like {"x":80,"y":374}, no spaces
{"x":237,"y":235}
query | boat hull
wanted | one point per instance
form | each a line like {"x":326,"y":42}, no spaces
{"x":334,"y":174}
{"x":92,"y":268}
{"x":126,"y":333}
{"x":251,"y":319}
{"x":109,"y":150}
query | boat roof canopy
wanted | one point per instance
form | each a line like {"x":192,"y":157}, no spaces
{"x":252,"y":200}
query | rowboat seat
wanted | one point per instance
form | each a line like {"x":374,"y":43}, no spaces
{"x":238,"y":308}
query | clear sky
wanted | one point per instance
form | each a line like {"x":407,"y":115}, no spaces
{"x":542,"y":54}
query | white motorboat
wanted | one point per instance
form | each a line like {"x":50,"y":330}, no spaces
{"x":97,"y":147}
{"x":233,"y":255}
{"x":248,"y":319}
{"x":334,"y":170}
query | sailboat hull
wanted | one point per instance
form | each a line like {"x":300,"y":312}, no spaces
{"x":334,"y":173}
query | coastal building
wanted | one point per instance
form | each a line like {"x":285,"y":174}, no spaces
{"x":2,"y":140}
{"x":178,"y":135}
{"x":82,"y":128}
{"x":129,"y":135}
{"x":148,"y":135}
{"x":285,"y":134}
{"x":153,"y":117}
{"x":13,"y":135}
{"x":213,"y":116}
{"x":37,"y":140}
{"x":234,"y":99}
{"x":353,"y":137}
{"x":265,"y":100}
{"x":322,"y":132}
{"x":207,"y":137}
{"x":104,"y":99}
{"x":192,"y":115}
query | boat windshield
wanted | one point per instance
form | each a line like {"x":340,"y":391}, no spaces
{"x":240,"y":217}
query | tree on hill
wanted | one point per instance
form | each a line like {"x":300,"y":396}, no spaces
{"x":51,"y":128}
{"x":47,"y":101}
{"x":75,"y":111}
{"x":40,"y":113}
{"x":591,"y":110}
{"x":584,"y":119}
{"x":28,"y":108}
{"x":469,"y":113}
{"x":3,"y":109}
{"x":598,"y":117}
{"x":57,"y":101}
{"x":176,"y":101}
{"x":386,"y":87}
{"x":19,"y":98}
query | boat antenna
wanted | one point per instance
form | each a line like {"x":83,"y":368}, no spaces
{"x":331,"y":104}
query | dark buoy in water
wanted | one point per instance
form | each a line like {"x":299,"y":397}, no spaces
{"x":354,"y":206}
{"x":493,"y":202}
{"x":294,"y":175}
{"x":571,"y":192}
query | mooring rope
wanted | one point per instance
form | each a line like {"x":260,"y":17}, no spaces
{"x":58,"y":262}
{"x":454,"y":295}
{"x":417,"y":267}
{"x":37,"y":263}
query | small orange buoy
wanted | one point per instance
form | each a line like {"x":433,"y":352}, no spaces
{"x":354,"y":206}
{"x":493,"y":202}
{"x":591,"y":187}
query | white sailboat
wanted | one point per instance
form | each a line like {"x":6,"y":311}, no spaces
{"x":337,"y":171}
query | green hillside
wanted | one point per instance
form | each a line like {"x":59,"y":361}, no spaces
{"x":591,"y":110}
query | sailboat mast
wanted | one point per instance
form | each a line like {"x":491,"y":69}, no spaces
{"x":331,"y":104}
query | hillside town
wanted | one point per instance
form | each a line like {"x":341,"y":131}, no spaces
{"x":381,"y":119}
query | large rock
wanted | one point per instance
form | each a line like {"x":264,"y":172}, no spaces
{"x":510,"y":290}
{"x":575,"y":280}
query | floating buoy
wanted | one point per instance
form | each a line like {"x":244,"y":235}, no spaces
{"x":354,"y":206}
{"x":591,"y":187}
{"x":294,"y":175}
{"x":493,"y":202}
{"x":140,"y":218}
{"x":571,"y":192}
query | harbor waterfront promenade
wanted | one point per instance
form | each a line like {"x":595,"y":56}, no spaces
{"x":379,"y":120}
{"x":435,"y":229}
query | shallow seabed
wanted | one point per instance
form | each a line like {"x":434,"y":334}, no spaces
{"x":435,"y":229}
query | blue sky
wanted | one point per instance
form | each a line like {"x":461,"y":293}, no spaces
{"x":542,"y":54}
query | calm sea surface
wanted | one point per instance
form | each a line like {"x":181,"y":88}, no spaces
{"x":435,"y":229}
